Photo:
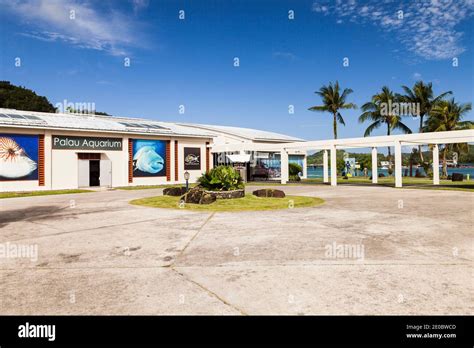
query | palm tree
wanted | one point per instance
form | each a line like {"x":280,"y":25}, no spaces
{"x":412,"y":159}
{"x":379,"y":111}
{"x":334,"y":101}
{"x":447,"y":115}
{"x":422,"y":95}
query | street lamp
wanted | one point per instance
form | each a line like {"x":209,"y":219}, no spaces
{"x":186,"y":177}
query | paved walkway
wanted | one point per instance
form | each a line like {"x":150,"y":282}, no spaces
{"x":99,"y":255}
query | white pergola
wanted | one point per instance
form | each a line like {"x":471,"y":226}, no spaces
{"x":397,"y":141}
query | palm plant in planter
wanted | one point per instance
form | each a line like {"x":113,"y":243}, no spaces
{"x":293,"y":170}
{"x":221,"y":178}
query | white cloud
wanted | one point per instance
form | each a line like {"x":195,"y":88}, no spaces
{"x":427,"y":29}
{"x":139,"y":5}
{"x":50,"y":20}
{"x":416,"y":76}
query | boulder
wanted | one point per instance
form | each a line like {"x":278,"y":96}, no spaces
{"x":269,"y":193}
{"x":193,"y":196}
{"x":207,"y":198}
{"x":174,"y":191}
{"x":198,"y":196}
{"x":227,"y":194}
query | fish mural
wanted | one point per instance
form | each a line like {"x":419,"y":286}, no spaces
{"x":15,"y":161}
{"x":192,"y":158}
{"x":149,"y":158}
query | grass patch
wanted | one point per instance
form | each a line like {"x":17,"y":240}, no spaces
{"x":40,"y":193}
{"x":407,"y":182}
{"x":247,"y":203}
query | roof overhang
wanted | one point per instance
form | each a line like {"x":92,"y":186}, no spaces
{"x":451,"y":137}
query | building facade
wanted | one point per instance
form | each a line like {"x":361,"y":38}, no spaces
{"x":42,"y":151}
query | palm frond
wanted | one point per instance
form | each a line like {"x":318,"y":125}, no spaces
{"x":340,"y":119}
{"x":319,"y":108}
{"x":372,"y":127}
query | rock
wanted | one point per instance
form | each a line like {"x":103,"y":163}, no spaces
{"x":228,"y":194}
{"x":194,"y":196}
{"x":269,"y":193}
{"x":207,"y":198}
{"x":278,"y":194}
{"x":197,"y":195}
{"x":174,"y":191}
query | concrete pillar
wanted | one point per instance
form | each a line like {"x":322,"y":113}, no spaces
{"x":284,"y":166}
{"x":375,"y":172}
{"x":305,"y":167}
{"x":325,"y":166}
{"x":333,"y":166}
{"x":435,"y":164}
{"x":398,"y":164}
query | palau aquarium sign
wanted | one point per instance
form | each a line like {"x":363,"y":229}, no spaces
{"x":149,"y":158}
{"x":61,"y":142}
{"x":18,"y":157}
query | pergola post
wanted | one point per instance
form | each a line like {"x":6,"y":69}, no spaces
{"x":325,"y":166}
{"x":333,"y":166}
{"x":375,"y":172}
{"x":305,"y":167}
{"x":284,"y":166}
{"x":398,"y":164}
{"x":435,"y":164}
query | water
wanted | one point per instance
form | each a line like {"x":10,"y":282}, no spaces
{"x":317,"y":172}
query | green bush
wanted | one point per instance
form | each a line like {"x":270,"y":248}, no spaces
{"x":294,"y":178}
{"x":221,"y":178}
{"x":294,"y":168}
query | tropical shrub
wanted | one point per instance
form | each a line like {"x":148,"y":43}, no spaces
{"x":294,"y":168}
{"x":221,"y":178}
{"x":294,"y":178}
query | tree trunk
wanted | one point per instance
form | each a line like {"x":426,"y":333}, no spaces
{"x":389,"y":151}
{"x":335,"y":126}
{"x":411,"y":167}
{"x":419,"y":146}
{"x":445,"y":164}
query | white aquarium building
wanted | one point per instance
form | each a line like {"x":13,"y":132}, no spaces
{"x":48,"y":151}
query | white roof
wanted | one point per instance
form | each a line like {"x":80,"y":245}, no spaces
{"x":247,"y":133}
{"x":84,"y":122}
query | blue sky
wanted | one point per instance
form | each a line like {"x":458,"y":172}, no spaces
{"x":190,"y":62}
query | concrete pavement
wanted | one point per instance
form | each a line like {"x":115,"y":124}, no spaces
{"x":402,"y":251}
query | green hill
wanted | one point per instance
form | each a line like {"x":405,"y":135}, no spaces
{"x":21,"y":98}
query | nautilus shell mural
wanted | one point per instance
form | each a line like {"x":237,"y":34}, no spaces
{"x":149,"y":158}
{"x":18,"y":157}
